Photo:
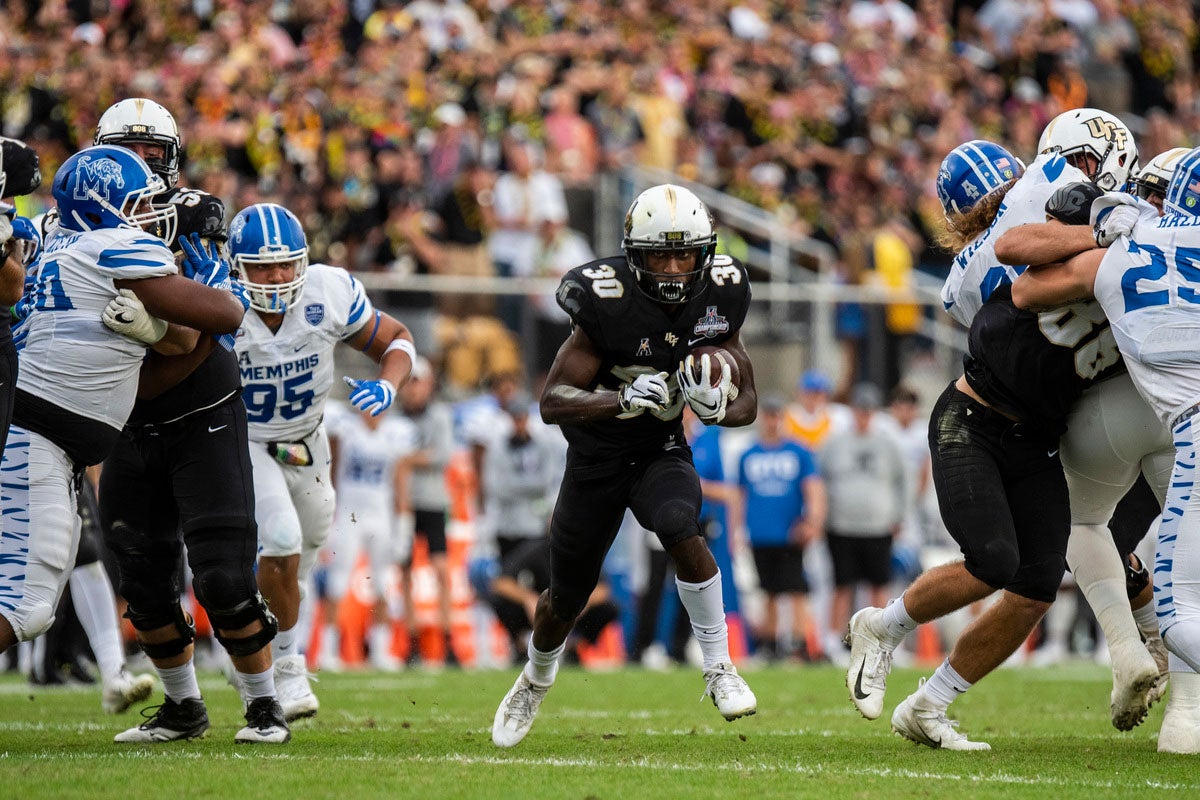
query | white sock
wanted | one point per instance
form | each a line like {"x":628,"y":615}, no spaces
{"x":1183,"y":640}
{"x":331,"y":642}
{"x":381,"y":641}
{"x":1147,"y":620}
{"x":543,"y":667}
{"x":179,"y":683}
{"x":945,"y":686}
{"x":284,"y":644}
{"x":706,"y":610}
{"x":897,"y":624}
{"x":96,"y":607}
{"x":1098,"y":570}
{"x":256,"y":686}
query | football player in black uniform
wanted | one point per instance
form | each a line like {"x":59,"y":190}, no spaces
{"x":617,"y":388}
{"x":20,"y":174}
{"x":180,"y":477}
{"x":994,"y":439}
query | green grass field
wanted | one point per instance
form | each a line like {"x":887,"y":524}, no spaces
{"x":625,"y":734}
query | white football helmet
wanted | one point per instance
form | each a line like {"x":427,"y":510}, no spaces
{"x":1155,"y":176}
{"x":1095,"y":133}
{"x":140,"y":120}
{"x":669,"y":217}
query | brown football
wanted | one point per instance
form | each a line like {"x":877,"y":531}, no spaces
{"x":716,"y":356}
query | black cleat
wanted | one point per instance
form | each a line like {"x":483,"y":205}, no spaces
{"x":264,"y":723}
{"x":169,"y":722}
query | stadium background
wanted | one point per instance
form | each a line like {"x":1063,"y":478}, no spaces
{"x":813,"y":130}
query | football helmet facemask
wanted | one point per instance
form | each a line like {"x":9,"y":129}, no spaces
{"x":1095,"y":133}
{"x":110,"y":187}
{"x":1154,"y":178}
{"x":1183,"y":193}
{"x":262,"y":235}
{"x":140,"y":120}
{"x":669,"y":218}
{"x":972,"y":171}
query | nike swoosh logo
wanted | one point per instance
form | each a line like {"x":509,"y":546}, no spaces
{"x":1051,"y":453}
{"x":694,"y":342}
{"x":859,"y":694}
{"x":211,"y":429}
{"x":299,"y":347}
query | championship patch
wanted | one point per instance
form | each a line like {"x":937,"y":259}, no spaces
{"x":711,"y":324}
{"x":314,"y":313}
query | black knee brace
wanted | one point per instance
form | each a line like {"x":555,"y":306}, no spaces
{"x":160,"y":618}
{"x":241,"y":615}
{"x":1137,"y":576}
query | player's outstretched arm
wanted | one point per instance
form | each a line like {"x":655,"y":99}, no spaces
{"x":175,"y":298}
{"x":1053,"y":285}
{"x":388,"y":341}
{"x":565,"y":397}
{"x":742,"y":409}
{"x":1043,"y":243}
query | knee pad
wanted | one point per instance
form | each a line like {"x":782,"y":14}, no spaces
{"x":995,"y":563}
{"x":1137,"y":576}
{"x":239,"y":616}
{"x":674,"y":521}
{"x":222,"y":568}
{"x":31,"y":620}
{"x":1040,"y":580}
{"x":161,"y":617}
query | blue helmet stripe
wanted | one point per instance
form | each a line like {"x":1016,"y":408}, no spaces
{"x":1183,"y":193}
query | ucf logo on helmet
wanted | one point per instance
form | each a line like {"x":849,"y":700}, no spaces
{"x":93,"y":178}
{"x":1106,"y":129}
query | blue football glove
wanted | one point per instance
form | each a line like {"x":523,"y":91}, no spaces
{"x":203,"y":264}
{"x":372,"y":396}
{"x":239,"y":291}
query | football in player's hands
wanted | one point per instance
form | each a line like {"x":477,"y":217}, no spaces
{"x":717,"y":356}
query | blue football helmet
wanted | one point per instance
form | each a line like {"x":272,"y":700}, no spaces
{"x":1183,"y":193}
{"x":110,"y":187}
{"x":971,"y":172}
{"x":262,"y":235}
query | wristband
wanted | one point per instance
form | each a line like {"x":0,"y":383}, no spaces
{"x":403,"y":345}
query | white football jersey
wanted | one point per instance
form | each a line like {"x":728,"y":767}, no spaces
{"x":287,"y":374}
{"x":976,"y":273}
{"x":67,"y":355}
{"x":366,"y":462}
{"x":1149,"y":287}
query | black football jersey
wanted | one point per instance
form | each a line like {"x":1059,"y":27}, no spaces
{"x":1035,"y":366}
{"x":635,"y":335}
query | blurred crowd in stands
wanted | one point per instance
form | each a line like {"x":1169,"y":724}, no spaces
{"x":391,"y":127}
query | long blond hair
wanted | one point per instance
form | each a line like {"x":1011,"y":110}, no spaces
{"x":962,"y":229}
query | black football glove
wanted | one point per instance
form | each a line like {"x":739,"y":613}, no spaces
{"x":1072,"y":204}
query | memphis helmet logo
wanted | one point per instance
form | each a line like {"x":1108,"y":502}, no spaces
{"x":96,"y":178}
{"x":1106,"y":129}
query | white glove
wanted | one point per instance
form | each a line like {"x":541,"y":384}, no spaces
{"x":707,"y":401}
{"x":6,"y":229}
{"x":1115,"y":214}
{"x":646,"y":392}
{"x":126,"y":315}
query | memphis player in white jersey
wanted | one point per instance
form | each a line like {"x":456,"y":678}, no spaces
{"x":1112,"y":433}
{"x":285,"y":353}
{"x":367,"y":451}
{"x":1149,"y":286}
{"x":78,"y":378}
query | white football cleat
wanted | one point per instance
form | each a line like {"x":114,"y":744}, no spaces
{"x":1135,"y":676}
{"x":123,"y":690}
{"x":919,"y":722}
{"x":1180,"y":732}
{"x":729,"y":692}
{"x":515,"y":715}
{"x":1158,"y":649}
{"x":870,"y":662}
{"x":291,"y":687}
